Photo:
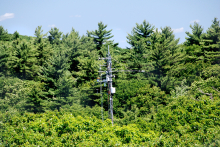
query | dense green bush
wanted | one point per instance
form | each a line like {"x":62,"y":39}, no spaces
{"x":185,"y":122}
{"x":63,"y":129}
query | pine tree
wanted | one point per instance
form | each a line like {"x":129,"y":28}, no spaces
{"x":54,"y":68}
{"x":22,"y":62}
{"x":43,"y":47}
{"x":211,"y":43}
{"x":4,"y":57}
{"x":196,"y":36}
{"x":141,"y":31}
{"x":213,"y":33}
{"x":57,"y":78}
{"x":35,"y":97}
{"x":100,"y":36}
{"x":163,"y":48}
{"x":16,"y":35}
{"x":140,"y":40}
{"x":82,"y":56}
{"x":170,"y":37}
{"x":39,"y":35}
{"x":4,"y":34}
{"x":84,"y":63}
{"x":71,"y":40}
{"x":55,"y":36}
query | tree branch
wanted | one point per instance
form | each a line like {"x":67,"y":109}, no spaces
{"x":209,"y":94}
{"x":215,"y":89}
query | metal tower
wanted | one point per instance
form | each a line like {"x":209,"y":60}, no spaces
{"x":108,"y":80}
{"x":111,"y":89}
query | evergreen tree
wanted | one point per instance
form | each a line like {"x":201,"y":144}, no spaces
{"x":141,"y":31}
{"x":82,"y":56}
{"x":16,"y":35}
{"x":84,"y":63}
{"x":170,"y":37}
{"x":199,"y":56}
{"x":189,"y":61}
{"x":100,"y":36}
{"x":55,"y":36}
{"x":43,"y":47}
{"x":39,"y":34}
{"x":196,"y":36}
{"x":43,"y":53}
{"x":163,"y":48}
{"x":22,"y":62}
{"x":35,"y":97}
{"x":53,"y":69}
{"x":73,"y":46}
{"x":71,"y":40}
{"x":57,"y":78}
{"x":4,"y":34}
{"x":211,"y":43}
{"x":213,"y":33}
{"x":140,"y":40}
{"x":211,"y":71}
{"x":4,"y":57}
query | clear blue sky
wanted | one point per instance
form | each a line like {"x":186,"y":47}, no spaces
{"x":120,"y":15}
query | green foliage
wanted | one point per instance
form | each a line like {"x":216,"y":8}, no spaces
{"x":163,"y":50}
{"x":16,"y":35}
{"x":4,"y":34}
{"x":211,"y":71}
{"x":43,"y":53}
{"x":83,"y":57}
{"x":21,"y":95}
{"x":137,"y":93}
{"x":22,"y":60}
{"x":183,"y":122}
{"x":63,"y":129}
{"x":187,"y":118}
{"x":211,"y":42}
{"x":196,"y":36}
{"x":100,"y":36}
{"x":57,"y":78}
{"x":212,"y":36}
{"x":12,"y":94}
{"x":170,"y":97}
{"x":35,"y":96}
{"x":39,"y":34}
{"x":54,"y":36}
{"x":180,"y":90}
{"x":4,"y":57}
{"x":209,"y":87}
{"x":140,"y":32}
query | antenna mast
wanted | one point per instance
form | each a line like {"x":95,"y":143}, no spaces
{"x":108,"y":80}
{"x":111,"y":89}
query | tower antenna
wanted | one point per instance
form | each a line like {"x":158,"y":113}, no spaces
{"x":108,"y":80}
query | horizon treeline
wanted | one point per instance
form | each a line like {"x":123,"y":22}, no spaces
{"x":178,"y":93}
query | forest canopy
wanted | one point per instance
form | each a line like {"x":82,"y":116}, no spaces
{"x":49,"y":95}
